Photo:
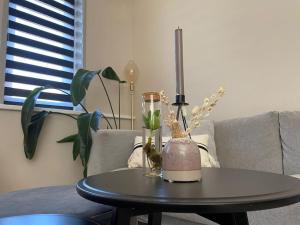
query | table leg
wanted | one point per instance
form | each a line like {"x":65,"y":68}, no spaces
{"x":228,"y":218}
{"x":154,"y":218}
{"x":121,"y":216}
{"x":241,"y":218}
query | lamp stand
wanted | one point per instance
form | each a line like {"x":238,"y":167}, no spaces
{"x":132,"y":102}
{"x":119,"y":105}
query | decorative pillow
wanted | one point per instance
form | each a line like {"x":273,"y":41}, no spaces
{"x":207,"y":127}
{"x":296,"y":176}
{"x":207,"y":159}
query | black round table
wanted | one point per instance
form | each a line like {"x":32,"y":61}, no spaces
{"x":223,"y":195}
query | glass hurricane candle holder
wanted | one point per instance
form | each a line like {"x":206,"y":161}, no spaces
{"x":151,"y":109}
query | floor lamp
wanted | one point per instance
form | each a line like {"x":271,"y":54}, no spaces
{"x":131,"y":73}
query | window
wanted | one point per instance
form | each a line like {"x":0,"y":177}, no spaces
{"x":44,"y":47}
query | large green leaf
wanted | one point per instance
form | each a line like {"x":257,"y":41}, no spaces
{"x":110,"y":74}
{"x":85,"y":122}
{"x":152,"y":120}
{"x":27,"y":109}
{"x":84,"y":131}
{"x":31,"y":124}
{"x":80,"y":84}
{"x":155,"y":120}
{"x":33,"y":132}
{"x":82,"y":142}
{"x":76,"y":144}
{"x":146,"y":122}
{"x":70,"y":138}
{"x":76,"y":147}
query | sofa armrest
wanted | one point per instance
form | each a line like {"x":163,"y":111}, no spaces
{"x":111,"y":150}
{"x":52,"y":200}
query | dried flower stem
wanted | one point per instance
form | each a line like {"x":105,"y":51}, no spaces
{"x":198,"y":114}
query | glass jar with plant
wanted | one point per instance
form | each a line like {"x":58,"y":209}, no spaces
{"x":151,"y":108}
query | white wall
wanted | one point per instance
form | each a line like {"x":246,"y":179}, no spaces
{"x":52,"y":163}
{"x":109,"y":43}
{"x":108,"y":36}
{"x":252,"y":48}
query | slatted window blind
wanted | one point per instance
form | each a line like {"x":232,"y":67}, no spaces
{"x":40,"y":51}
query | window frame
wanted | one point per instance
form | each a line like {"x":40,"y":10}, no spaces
{"x":3,"y":39}
{"x":80,"y":6}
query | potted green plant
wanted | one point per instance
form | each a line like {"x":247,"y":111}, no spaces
{"x":32,"y":122}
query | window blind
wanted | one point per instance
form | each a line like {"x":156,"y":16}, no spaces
{"x":40,"y":51}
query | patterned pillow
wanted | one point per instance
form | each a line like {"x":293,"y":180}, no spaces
{"x":207,"y":159}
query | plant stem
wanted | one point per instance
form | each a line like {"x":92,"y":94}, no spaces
{"x":104,"y":117}
{"x":111,"y":108}
{"x":148,"y":155}
{"x":82,"y":106}
{"x":73,"y":117}
{"x":119,"y":105}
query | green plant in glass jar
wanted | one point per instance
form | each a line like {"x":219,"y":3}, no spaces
{"x":152,"y":131}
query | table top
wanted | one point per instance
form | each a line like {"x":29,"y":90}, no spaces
{"x":220,"y":190}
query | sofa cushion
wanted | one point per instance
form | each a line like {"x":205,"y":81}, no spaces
{"x":53,"y":200}
{"x":290,"y":139}
{"x":250,"y":143}
{"x":207,"y":127}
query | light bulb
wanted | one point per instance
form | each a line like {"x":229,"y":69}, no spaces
{"x":131,"y":71}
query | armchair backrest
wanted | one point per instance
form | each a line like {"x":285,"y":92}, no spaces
{"x":111,"y":150}
{"x":250,"y":143}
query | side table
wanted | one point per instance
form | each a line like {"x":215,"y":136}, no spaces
{"x":223,"y":195}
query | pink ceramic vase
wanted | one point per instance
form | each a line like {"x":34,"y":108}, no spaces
{"x":181,"y":161}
